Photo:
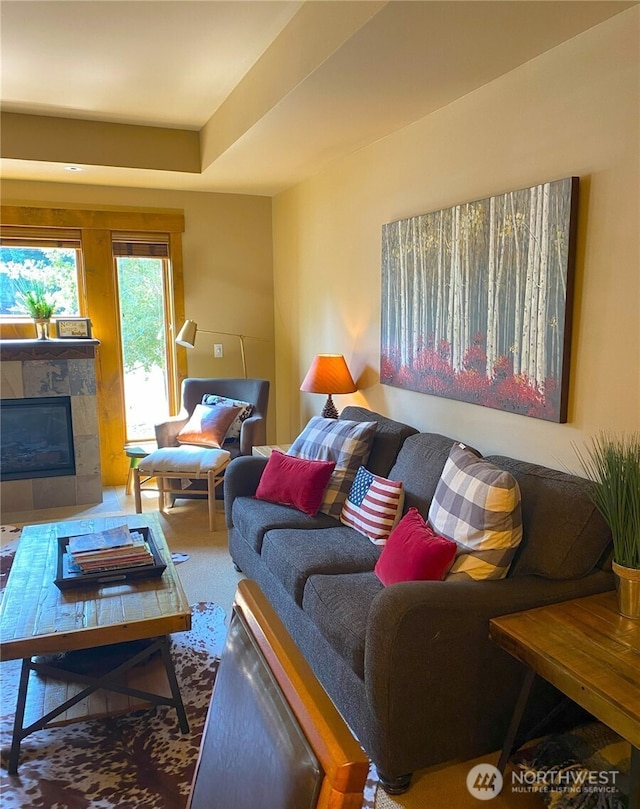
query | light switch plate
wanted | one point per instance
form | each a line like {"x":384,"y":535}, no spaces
{"x":217,"y":350}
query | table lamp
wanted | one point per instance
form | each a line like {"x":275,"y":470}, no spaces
{"x":328,"y":374}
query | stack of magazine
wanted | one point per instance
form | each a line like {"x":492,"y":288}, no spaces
{"x":113,"y":549}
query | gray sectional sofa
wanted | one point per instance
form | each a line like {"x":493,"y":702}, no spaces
{"x":411,"y":666}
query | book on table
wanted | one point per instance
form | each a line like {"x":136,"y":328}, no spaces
{"x":100,"y":565}
{"x":108,"y":550}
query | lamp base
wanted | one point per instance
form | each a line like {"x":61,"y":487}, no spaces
{"x":329,"y":410}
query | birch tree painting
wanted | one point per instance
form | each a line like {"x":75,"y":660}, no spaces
{"x":476,"y":300}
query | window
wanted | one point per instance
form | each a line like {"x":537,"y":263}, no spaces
{"x":143,"y":273}
{"x":51,"y":262}
{"x":97,"y":239}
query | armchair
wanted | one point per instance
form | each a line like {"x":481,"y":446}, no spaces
{"x":188,"y":471}
{"x":254,"y":429}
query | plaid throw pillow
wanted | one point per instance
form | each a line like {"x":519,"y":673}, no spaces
{"x":478,"y":506}
{"x":374,"y":505}
{"x":346,"y":443}
{"x":246,"y":409}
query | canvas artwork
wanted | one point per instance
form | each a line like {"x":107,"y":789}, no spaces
{"x":476,"y":300}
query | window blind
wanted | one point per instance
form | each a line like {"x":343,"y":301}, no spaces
{"x":40,"y":237}
{"x":141,"y":245}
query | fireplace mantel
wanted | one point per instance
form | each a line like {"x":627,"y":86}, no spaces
{"x":53,"y":349}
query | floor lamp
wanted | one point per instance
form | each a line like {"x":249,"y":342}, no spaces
{"x":187,"y":338}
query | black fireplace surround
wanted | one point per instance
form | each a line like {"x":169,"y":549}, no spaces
{"x":36,"y":438}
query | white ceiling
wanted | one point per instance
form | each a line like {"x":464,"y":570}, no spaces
{"x":276,"y":90}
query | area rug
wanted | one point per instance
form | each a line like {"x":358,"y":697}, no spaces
{"x":586,"y":768}
{"x":133,"y":761}
{"x":130,"y":761}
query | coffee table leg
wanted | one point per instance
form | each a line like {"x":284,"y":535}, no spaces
{"x":17,"y":724}
{"x":173,"y":684}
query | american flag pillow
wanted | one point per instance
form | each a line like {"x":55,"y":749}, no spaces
{"x":374,"y":505}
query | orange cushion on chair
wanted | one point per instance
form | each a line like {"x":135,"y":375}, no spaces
{"x":208,"y":425}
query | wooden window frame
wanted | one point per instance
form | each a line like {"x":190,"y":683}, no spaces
{"x":97,"y":227}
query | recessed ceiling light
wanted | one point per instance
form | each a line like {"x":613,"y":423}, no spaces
{"x":73,"y":168}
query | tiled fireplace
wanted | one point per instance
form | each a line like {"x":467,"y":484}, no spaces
{"x":33,"y":369}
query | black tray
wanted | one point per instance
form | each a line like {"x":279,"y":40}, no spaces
{"x":67,"y":579}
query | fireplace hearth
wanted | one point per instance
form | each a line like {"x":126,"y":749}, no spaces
{"x":36,"y":438}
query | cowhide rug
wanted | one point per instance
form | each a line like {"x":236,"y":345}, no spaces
{"x":134,"y":761}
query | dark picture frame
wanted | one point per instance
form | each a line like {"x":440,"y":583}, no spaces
{"x":73,"y":328}
{"x":477,"y":300}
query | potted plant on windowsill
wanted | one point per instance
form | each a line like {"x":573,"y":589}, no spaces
{"x":613,"y":465}
{"x":40,"y":305}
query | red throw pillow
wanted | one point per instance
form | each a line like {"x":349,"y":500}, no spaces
{"x":295,"y":482}
{"x":414,"y":552}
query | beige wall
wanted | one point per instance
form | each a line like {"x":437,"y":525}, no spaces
{"x":227,"y":252}
{"x":572,"y":111}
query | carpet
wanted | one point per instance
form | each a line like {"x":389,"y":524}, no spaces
{"x":132,"y":761}
{"x":585,"y":768}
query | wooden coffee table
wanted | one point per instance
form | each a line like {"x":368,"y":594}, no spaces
{"x":591,"y":653}
{"x":36,"y":618}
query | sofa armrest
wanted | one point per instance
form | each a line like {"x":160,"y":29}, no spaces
{"x":167,"y":431}
{"x":253,"y":434}
{"x":241,"y":479}
{"x":428,"y":655}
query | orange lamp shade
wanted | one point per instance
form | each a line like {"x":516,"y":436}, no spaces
{"x":328,"y":374}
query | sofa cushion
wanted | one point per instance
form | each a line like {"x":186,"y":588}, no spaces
{"x":419,"y":466}
{"x":477,"y":505}
{"x":389,"y":438}
{"x":294,"y":482}
{"x":292,"y":556}
{"x":564,"y":534}
{"x":246,"y":409}
{"x":253,"y":518}
{"x":207,"y":426}
{"x":346,"y":443}
{"x":339,"y":607}
{"x":374,"y":505}
{"x":414,"y":552}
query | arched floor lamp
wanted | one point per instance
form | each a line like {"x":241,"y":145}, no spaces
{"x":187,"y":338}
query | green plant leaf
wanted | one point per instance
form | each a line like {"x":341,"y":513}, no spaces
{"x":613,"y":465}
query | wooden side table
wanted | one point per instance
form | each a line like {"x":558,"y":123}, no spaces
{"x":266,"y":450}
{"x":591,"y":653}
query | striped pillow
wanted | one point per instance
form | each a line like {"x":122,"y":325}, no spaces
{"x":346,"y":443}
{"x":477,"y":505}
{"x":374,"y":505}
